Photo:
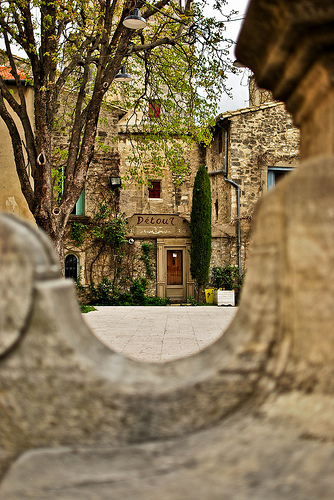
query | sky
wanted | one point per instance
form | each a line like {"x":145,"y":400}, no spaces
{"x":238,"y":83}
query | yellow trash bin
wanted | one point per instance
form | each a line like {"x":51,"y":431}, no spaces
{"x":209,"y":295}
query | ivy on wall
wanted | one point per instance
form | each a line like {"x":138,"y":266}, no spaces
{"x":123,"y":272}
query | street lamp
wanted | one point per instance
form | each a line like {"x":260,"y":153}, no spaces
{"x":238,"y":64}
{"x":123,"y":76}
{"x":134,"y":21}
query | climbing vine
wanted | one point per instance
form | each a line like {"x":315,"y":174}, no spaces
{"x":105,"y":226}
{"x":147,"y":259}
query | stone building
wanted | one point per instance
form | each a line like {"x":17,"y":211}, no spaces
{"x":157,"y":214}
{"x":252,"y":149}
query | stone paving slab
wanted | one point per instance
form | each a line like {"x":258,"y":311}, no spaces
{"x":157,"y":333}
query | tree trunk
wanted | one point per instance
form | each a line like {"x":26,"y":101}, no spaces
{"x":55,"y":232}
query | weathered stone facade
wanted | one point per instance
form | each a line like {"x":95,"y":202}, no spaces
{"x":94,"y":264}
{"x":247,"y":144}
{"x":164,"y":217}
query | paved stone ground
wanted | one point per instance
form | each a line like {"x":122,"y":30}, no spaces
{"x":157,"y":334}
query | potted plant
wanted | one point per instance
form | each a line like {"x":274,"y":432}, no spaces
{"x":225,"y":280}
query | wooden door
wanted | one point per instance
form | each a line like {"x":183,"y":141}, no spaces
{"x":174,"y":267}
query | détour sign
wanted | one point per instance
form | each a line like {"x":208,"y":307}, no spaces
{"x":150,"y":225}
{"x":157,"y":220}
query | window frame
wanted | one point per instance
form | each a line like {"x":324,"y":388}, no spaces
{"x":75,"y":278}
{"x":271,"y":175}
{"x":154,"y":109}
{"x":153,"y":190}
{"x":79,"y":207}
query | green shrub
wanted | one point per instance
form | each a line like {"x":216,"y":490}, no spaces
{"x":192,"y":301}
{"x":104,"y":294}
{"x":200,"y":229}
{"x":226,"y":277}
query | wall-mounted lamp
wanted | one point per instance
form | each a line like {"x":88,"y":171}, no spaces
{"x":123,"y":76}
{"x":238,"y":64}
{"x":134,"y":21}
{"x":115,"y":182}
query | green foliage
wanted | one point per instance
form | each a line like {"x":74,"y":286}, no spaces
{"x":192,"y":301}
{"x":105,"y":226}
{"x":86,"y":309}
{"x":74,"y":51}
{"x":200,"y":228}
{"x":105,"y":294}
{"x":102,"y":294}
{"x":226,"y":277}
{"x":147,"y":259}
{"x":78,"y":232}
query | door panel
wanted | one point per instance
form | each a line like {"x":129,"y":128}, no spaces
{"x":174,"y":267}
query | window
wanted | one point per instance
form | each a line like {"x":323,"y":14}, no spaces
{"x":154,"y":108}
{"x":71,"y":267}
{"x":154,"y":190}
{"x":216,"y":210}
{"x":79,"y":208}
{"x":275,"y":174}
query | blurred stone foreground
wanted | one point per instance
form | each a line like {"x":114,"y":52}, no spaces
{"x":252,"y":416}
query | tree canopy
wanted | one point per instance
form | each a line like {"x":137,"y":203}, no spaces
{"x":178,"y":61}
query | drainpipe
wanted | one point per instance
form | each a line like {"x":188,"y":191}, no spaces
{"x":239,"y":225}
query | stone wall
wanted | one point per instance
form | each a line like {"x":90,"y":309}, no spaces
{"x":246,"y":142}
{"x":257,"y":138}
{"x":94,"y":263}
{"x":174,"y":199}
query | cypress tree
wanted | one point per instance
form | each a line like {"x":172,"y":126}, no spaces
{"x":200,"y":229}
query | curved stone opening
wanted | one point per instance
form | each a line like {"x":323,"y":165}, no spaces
{"x":159,"y":334}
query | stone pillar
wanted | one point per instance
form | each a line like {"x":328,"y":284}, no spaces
{"x":160,"y":269}
{"x":289,"y":47}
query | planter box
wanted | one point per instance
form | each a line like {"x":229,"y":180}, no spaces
{"x":224,"y":297}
